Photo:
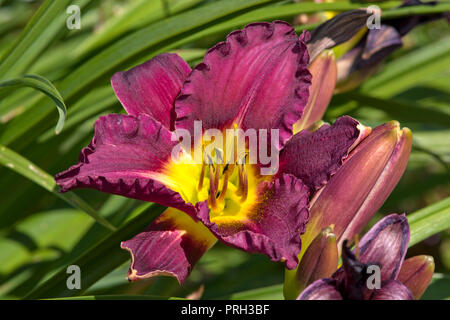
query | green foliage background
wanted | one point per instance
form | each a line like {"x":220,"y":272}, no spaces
{"x":42,"y":231}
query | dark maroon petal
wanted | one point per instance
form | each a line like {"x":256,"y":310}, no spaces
{"x":393,"y":290}
{"x":386,"y":244}
{"x":152,"y":87}
{"x":314,"y":156}
{"x":337,"y":30}
{"x":126,"y":157}
{"x":380,"y":43}
{"x":274,"y":223}
{"x":322,"y":289}
{"x":170,"y":246}
{"x":256,"y":79}
{"x":352,"y":277}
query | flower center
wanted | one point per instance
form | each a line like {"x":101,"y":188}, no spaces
{"x":228,"y":182}
{"x":220,"y":176}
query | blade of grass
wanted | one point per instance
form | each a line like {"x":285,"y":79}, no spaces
{"x":274,"y":292}
{"x":406,"y":111}
{"x":101,"y":259}
{"x":429,"y":221}
{"x":410,"y":69}
{"x":24,"y":167}
{"x":45,"y":86}
{"x":138,"y":14}
{"x":48,"y":21}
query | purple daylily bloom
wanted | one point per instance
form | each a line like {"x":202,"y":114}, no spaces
{"x":256,"y":79}
{"x":385,"y":246}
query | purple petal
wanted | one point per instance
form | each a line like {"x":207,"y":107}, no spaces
{"x":352,"y":277}
{"x":256,"y":79}
{"x":151,"y":88}
{"x":380,"y":43}
{"x":323,"y":289}
{"x":386,"y":244}
{"x":314,"y":156}
{"x":393,"y":290}
{"x":170,"y":246}
{"x":126,"y":157}
{"x":272,"y":226}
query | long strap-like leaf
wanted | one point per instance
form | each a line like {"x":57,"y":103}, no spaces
{"x":42,"y":84}
{"x":29,"y":170}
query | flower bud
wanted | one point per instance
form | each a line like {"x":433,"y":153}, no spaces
{"x":324,"y":74}
{"x":359,"y":188}
{"x":416,"y":273}
{"x":320,"y":259}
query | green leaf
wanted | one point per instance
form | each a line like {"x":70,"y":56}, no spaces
{"x":40,"y":31}
{"x":101,"y":259}
{"x":438,"y":288}
{"x":137,"y":15}
{"x":45,"y":86}
{"x":410,"y":69}
{"x":267,"y":293}
{"x":26,"y":168}
{"x":429,"y":221}
{"x":406,"y":111}
{"x":416,"y":10}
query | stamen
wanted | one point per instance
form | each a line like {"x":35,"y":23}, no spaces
{"x":245,"y":184}
{"x":212,"y":188}
{"x":225,"y":168}
{"x":241,"y":180}
{"x":224,"y":188}
{"x":217,"y":177}
{"x":242,"y":176}
{"x":202,"y":177}
{"x":219,"y":162}
{"x":219,"y":155}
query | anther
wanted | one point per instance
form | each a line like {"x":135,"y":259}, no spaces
{"x":224,"y":188}
{"x":202,"y":176}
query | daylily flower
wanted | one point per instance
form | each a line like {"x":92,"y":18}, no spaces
{"x":256,"y":79}
{"x":355,"y":193}
{"x":384,"y":246}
